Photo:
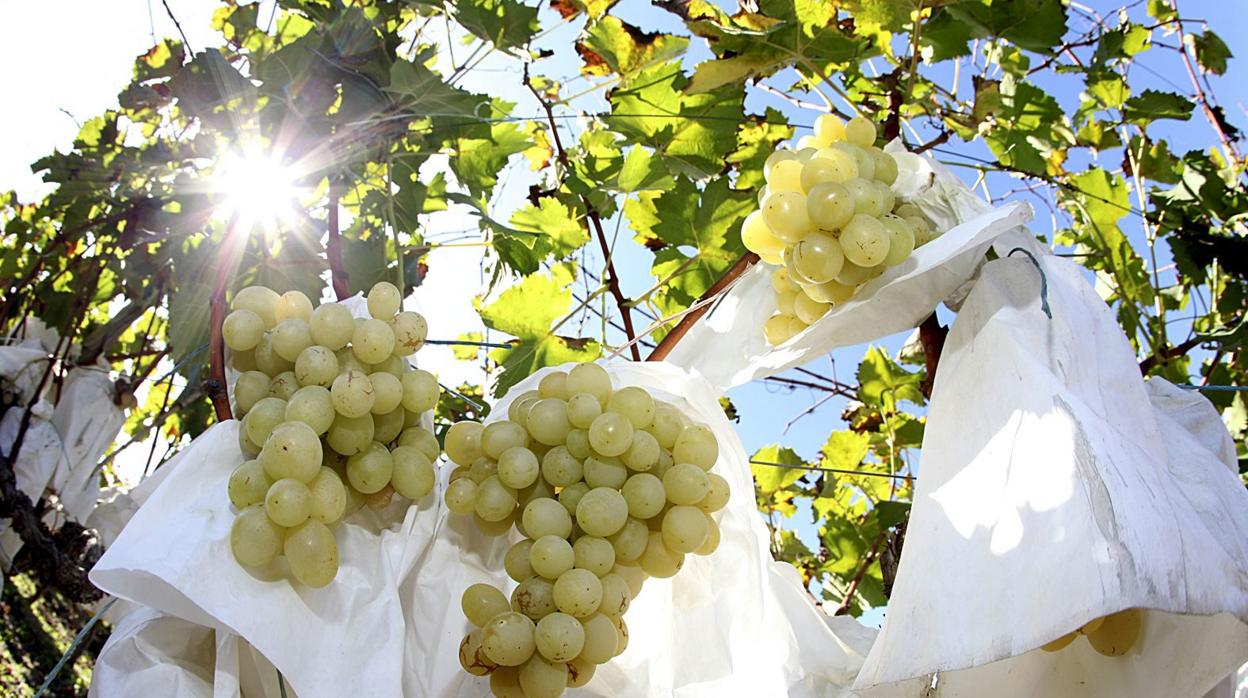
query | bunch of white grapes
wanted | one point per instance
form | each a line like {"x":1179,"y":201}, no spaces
{"x":1113,"y":635}
{"x":608,"y":486}
{"x":829,"y":219}
{"x":330,"y":413}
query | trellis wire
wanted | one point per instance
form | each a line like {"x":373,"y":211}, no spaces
{"x":73,"y":647}
{"x":465,"y":343}
{"x":815,"y":468}
{"x":481,"y":409}
{"x":1215,"y":388}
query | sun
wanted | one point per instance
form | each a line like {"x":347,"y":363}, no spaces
{"x":257,"y":188}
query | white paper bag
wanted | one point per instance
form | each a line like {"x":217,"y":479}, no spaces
{"x":734,"y":623}
{"x":727,"y":344}
{"x":1055,"y":488}
{"x":88,"y":420}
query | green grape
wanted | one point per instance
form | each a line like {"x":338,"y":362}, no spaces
{"x":331,"y":325}
{"x":348,"y":362}
{"x":684,"y":529}
{"x":602,"y":471}
{"x":372,"y":341}
{"x":829,"y":129}
{"x":634,"y":403}
{"x":580,"y":672}
{"x":353,"y":394}
{"x":244,"y":444}
{"x":461,"y":496}
{"x":900,"y":240}
{"x":665,"y":463}
{"x":712,"y":538}
{"x":312,"y":406}
{"x":254,"y":539}
{"x":643,"y":453}
{"x":777,"y":329}
{"x":777,"y":156}
{"x":578,"y":443}
{"x":583,"y":408}
{"x":828,"y":166}
{"x":243,"y":361}
{"x":293,"y":450}
{"x":250,"y":388}
{"x":384,"y":300}
{"x":542,"y":679}
{"x":616,"y":596}
{"x":885,"y":167}
{"x":413,"y":476}
{"x":786,"y":216}
{"x":868,"y":200}
{"x":644,"y":495}
{"x":380,"y":499}
{"x":423,"y":440}
{"x":518,"y":467}
{"x":516,"y":561}
{"x":508,"y":638}
{"x":535,"y":597}
{"x":781,"y":281}
{"x":697,"y":445}
{"x":248,"y":484}
{"x":290,"y":337}
{"x":482,"y":468}
{"x":686,"y":483}
{"x":329,"y":496}
{"x":370,"y":470}
{"x":860,"y":131}
{"x":463,"y":442}
{"x":611,"y":434}
{"x":577,"y":592}
{"x":499,"y":436}
{"x":785,"y":176}
{"x":316,"y":365}
{"x":546,"y":517}
{"x":288,"y":502}
{"x":634,"y":576}
{"x":1060,"y":643}
{"x":283,"y":385}
{"x":293,"y":304}
{"x":350,"y":435}
{"x":818,"y":258}
{"x":473,"y":660}
{"x":806,"y":143}
{"x":907,"y":211}
{"x":601,"y":512}
{"x":312,"y":553}
{"x":410,"y":331}
{"x":242,"y":330}
{"x":590,"y":378}
{"x":594,"y":554}
{"x":259,"y":300}
{"x":630,"y":541}
{"x":554,"y":385}
{"x":887,"y":196}
{"x":667,"y":425}
{"x":862,"y":157}
{"x":547,"y":421}
{"x":495,"y":501}
{"x":865,"y":241}
{"x":559,"y":637}
{"x":923,"y":232}
{"x":1113,"y":638}
{"x":267,"y":359}
{"x":601,"y":639}
{"x":830,"y":292}
{"x":621,"y":629}
{"x":758,"y":238}
{"x":657,"y":560}
{"x":808,"y":310}
{"x":518,"y":410}
{"x":264,"y":415}
{"x":481,"y":602}
{"x":551,"y":556}
{"x":717,"y":496}
{"x":851,"y":274}
{"x":387,"y":392}
{"x":829,"y":206}
{"x":570,"y":496}
{"x":560,"y":468}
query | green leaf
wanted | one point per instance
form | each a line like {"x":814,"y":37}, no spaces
{"x":420,"y":90}
{"x":528,"y":309}
{"x":770,"y":478}
{"x":530,"y":355}
{"x":538,"y":232}
{"x":944,"y":36}
{"x":757,"y":138}
{"x":884,"y":383}
{"x":1024,"y":124}
{"x":719,"y":72}
{"x":479,"y":160}
{"x":1036,"y":25}
{"x":1108,"y":88}
{"x":1151,"y":105}
{"x":845,"y":450}
{"x":1211,"y":52}
{"x":594,"y":9}
{"x":890,"y":514}
{"x":640,"y":172}
{"x":613,"y":46}
{"x":507,"y":24}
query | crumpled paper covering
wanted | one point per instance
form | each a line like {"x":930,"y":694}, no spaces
{"x":1056,"y":487}
{"x":88,"y":420}
{"x":734,"y":623}
{"x":727,"y":344}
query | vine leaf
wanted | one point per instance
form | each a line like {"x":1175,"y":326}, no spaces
{"x":507,"y":24}
{"x":1152,"y":105}
{"x":614,"y":46}
{"x":538,"y":232}
{"x":1211,"y":52}
{"x":883,"y":383}
{"x":1036,"y":25}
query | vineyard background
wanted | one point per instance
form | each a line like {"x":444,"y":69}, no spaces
{"x":428,"y":123}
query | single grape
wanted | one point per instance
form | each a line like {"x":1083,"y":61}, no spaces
{"x":372,"y":341}
{"x":410,"y":331}
{"x":499,"y":436}
{"x":554,"y":385}
{"x":267,"y":359}
{"x":887,"y":196}
{"x":785,"y":176}
{"x":463,"y":442}
{"x":776,"y":329}
{"x":665,"y":464}
{"x":540,"y":678}
{"x":313,"y":406}
{"x":860,"y":131}
{"x":593,"y":554}
{"x":621,"y":628}
{"x":263,"y":417}
{"x":353,"y":394}
{"x":818,"y":258}
{"x":473,"y":660}
{"x":611,"y":433}
{"x":644,"y":495}
{"x":907,"y":211}
{"x":423,"y":440}
{"x":518,"y":410}
{"x":248,"y":484}
{"x":686,"y":483}
{"x":547,"y":421}
{"x":900,"y":240}
{"x":580,"y":672}
{"x":283,"y":385}
{"x":684,"y":529}
{"x":290,"y":337}
{"x":350,"y":435}
{"x":923,"y":232}
{"x":384,"y":300}
{"x":667,"y":425}
{"x":601,"y":471}
{"x":1114,"y":638}
{"x":829,"y":129}
{"x":583,"y":408}
{"x":1060,"y":643}
{"x":348,"y":362}
{"x":758,"y":238}
{"x":481,"y":602}
{"x":379,"y":500}
{"x":697,"y":445}
{"x":243,"y":361}
{"x":507,"y":639}
{"x":868,"y":200}
{"x":634,"y":403}
{"x":717,"y":496}
{"x":461,"y":496}
{"x":865,"y":241}
{"x":387,"y":392}
{"x":546,"y":517}
{"x":312,"y":553}
{"x":250,"y":388}
{"x":288,"y":502}
{"x":712,"y":538}
{"x":332,"y":326}
{"x":316,"y":365}
{"x":570,"y":496}
{"x":482,"y":468}
{"x":578,"y":443}
{"x":559,"y":637}
{"x":329,"y":496}
{"x":259,"y":300}
{"x":577,"y":592}
{"x":495,"y":501}
{"x":293,"y":304}
{"x":829,"y":206}
{"x":413,"y":475}
{"x":885,"y":167}
{"x":293,"y":450}
{"x":616,"y":596}
{"x":254,"y":539}
{"x":822,"y":169}
{"x":862,"y":158}
{"x":832,"y":292}
{"x":785,"y":214}
{"x":589,"y":378}
{"x":245,"y":445}
{"x":242,"y":330}
{"x":781,"y":281}
{"x":851,"y":274}
{"x":535,"y":597}
{"x":643,"y":453}
{"x":657,"y":560}
{"x":560,"y":468}
{"x":601,"y":512}
{"x":370,"y":470}
{"x":551,"y":556}
{"x":630,"y":541}
{"x":518,"y":467}
{"x":601,"y":639}
{"x":808,"y":310}
{"x":516,"y":561}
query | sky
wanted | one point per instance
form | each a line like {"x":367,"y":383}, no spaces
{"x":50,"y":87}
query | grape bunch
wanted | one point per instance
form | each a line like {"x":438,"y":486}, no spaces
{"x":1113,"y":635}
{"x":330,"y":413}
{"x":608,"y":487}
{"x":829,"y":220}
